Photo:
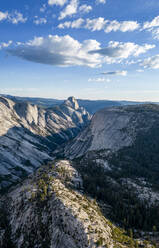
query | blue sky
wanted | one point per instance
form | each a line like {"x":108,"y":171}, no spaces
{"x":98,"y":49}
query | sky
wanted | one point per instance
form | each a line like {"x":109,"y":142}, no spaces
{"x":90,"y":49}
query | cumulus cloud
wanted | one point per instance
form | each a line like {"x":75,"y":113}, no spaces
{"x":3,"y":15}
{"x":117,"y":51}
{"x":85,"y":8}
{"x":14,"y":17}
{"x":57,"y":2}
{"x":155,"y":33}
{"x":108,"y":26}
{"x":5,"y":44}
{"x":153,"y":23}
{"x":100,"y":1}
{"x":70,"y":9}
{"x":99,"y":80}
{"x":115,"y":73}
{"x":66,"y":51}
{"x":59,"y":50}
{"x":95,"y":24}
{"x":121,"y":26}
{"x":73,"y":7}
{"x":151,"y":62}
{"x":39,"y":21}
{"x":153,"y":27}
{"x":74,"y":24}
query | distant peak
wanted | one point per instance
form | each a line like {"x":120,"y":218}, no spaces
{"x":72,"y":102}
{"x":72,"y":99}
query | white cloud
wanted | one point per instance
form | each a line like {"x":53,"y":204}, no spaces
{"x":39,"y":21}
{"x":117,"y":51}
{"x":66,"y":51}
{"x":99,"y":80}
{"x":43,"y":8}
{"x":16,"y":17}
{"x":153,"y":27}
{"x":5,"y":44}
{"x":115,"y":73}
{"x":151,"y":62}
{"x":85,"y":8}
{"x":57,"y":2}
{"x":108,"y":26}
{"x":70,"y":9}
{"x":121,"y":26}
{"x":100,"y":1}
{"x":73,"y":7}
{"x":59,"y":50}
{"x":3,"y":15}
{"x":153,"y":23}
{"x":155,"y":33}
{"x":95,"y":24}
{"x":74,"y":24}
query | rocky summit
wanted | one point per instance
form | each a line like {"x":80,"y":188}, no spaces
{"x":29,"y":134}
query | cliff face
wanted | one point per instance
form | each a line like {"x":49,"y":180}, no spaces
{"x":117,"y":155}
{"x":50,"y":210}
{"x":113,"y":129}
{"x":29,"y":134}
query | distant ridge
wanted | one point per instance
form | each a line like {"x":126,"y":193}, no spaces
{"x":91,"y":106}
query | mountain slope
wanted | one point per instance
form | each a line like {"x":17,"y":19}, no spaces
{"x":29,"y":134}
{"x":50,"y":210}
{"x":114,"y":128}
{"x":117,"y":155}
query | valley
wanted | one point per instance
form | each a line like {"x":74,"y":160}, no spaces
{"x":97,"y":175}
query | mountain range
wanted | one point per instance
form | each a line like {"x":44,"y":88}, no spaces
{"x":93,"y":180}
{"x":91,"y":106}
{"x":29,"y":134}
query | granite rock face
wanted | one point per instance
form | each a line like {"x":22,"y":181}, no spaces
{"x":29,"y":134}
{"x":113,"y":129}
{"x":118,"y":151}
{"x":50,"y":210}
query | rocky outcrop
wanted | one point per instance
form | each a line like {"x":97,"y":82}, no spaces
{"x":50,"y":210}
{"x":29,"y":134}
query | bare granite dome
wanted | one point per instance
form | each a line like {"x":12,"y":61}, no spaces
{"x":72,"y":102}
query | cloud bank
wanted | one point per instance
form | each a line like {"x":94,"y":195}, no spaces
{"x":117,"y":51}
{"x":66,"y":51}
{"x":58,"y":50}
